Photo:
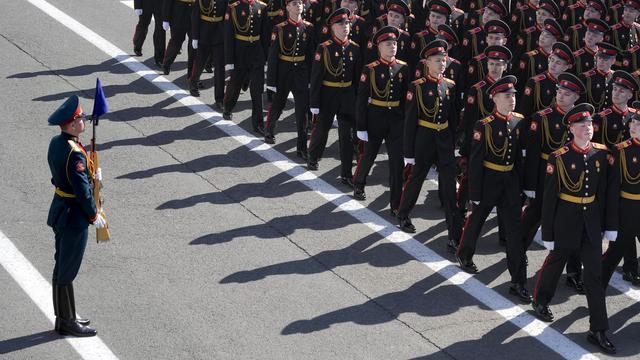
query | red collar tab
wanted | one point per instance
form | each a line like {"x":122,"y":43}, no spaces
{"x":580,"y":151}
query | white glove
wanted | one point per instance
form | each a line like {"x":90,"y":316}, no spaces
{"x":100,"y":222}
{"x":165,"y":25}
{"x":315,"y":111}
{"x":99,"y":174}
{"x":611,"y":235}
{"x":548,"y":245}
{"x":475,"y":203}
{"x":271,"y":88}
{"x":228,"y":67}
{"x":409,"y":161}
{"x":138,"y":12}
{"x":530,"y":194}
{"x":363,"y":135}
{"x":194,"y":43}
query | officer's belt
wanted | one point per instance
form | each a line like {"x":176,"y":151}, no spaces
{"x":544,"y":156}
{"x":434,"y":126}
{"x":386,"y":104}
{"x":293,"y":59}
{"x":247,"y":38}
{"x":336,"y":84}
{"x":273,"y":13}
{"x":629,"y":196}
{"x":211,"y":18}
{"x":497,"y":167}
{"x":63,"y":194}
{"x":577,"y":199}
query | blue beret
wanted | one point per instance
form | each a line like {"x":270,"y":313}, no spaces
{"x":66,"y":111}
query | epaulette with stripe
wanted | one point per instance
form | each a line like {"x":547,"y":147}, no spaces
{"x":74,"y":146}
{"x":454,"y":60}
{"x":539,"y":78}
{"x":517,"y":115}
{"x":579,"y":52}
{"x":531,"y":53}
{"x":354,"y":43}
{"x":401,"y":62}
{"x":600,"y":146}
{"x":575,"y":27}
{"x":544,"y":112}
{"x":479,"y":57}
{"x":403,"y":32}
{"x":281,"y":24}
{"x":373,"y":64}
{"x":234,"y":4}
{"x":574,"y":6}
{"x":616,"y":26}
{"x":418,"y":81}
{"x":475,"y":30}
{"x":623,"y":144}
{"x":450,"y":83}
{"x":559,"y":152}
{"x":479,"y":84}
{"x":486,"y":120}
{"x":589,"y":73}
{"x":327,"y":43}
{"x":605,"y":112}
{"x":530,"y":29}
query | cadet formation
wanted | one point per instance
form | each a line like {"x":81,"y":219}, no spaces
{"x":523,"y":106}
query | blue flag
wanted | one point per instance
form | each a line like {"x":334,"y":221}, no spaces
{"x":100,"y":106}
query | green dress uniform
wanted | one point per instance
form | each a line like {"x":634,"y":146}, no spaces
{"x":72,"y":210}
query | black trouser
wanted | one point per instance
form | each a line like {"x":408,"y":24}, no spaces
{"x":549,"y":274}
{"x":254,"y":73}
{"x":209,"y":54}
{"x":175,"y":43}
{"x":506,"y":200}
{"x":154,"y":8}
{"x":462,"y":198}
{"x":383,"y":125}
{"x":334,"y":102}
{"x":426,"y":155}
{"x":625,"y":244}
{"x":298,"y":84}
{"x":70,"y":245}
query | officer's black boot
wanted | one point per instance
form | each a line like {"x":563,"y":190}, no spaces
{"x":358,"y":192}
{"x":80,"y":321}
{"x":54,"y":291}
{"x":193,"y":88}
{"x":67,"y":324}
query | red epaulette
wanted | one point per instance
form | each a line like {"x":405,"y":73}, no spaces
{"x":371,"y":65}
{"x":589,"y":73}
{"x":530,"y":29}
{"x":539,"y":77}
{"x":600,"y":146}
{"x":479,"y":84}
{"x":531,"y":53}
{"x":475,"y":30}
{"x":616,"y":26}
{"x":576,"y":26}
{"x":560,"y":151}
{"x":544,"y":112}
{"x":574,"y":6}
{"x":578,"y":52}
{"x":486,"y":120}
{"x":523,"y":7}
{"x":403,"y":32}
{"x":455,"y":61}
{"x":479,"y":57}
{"x":623,"y":144}
{"x":605,"y":112}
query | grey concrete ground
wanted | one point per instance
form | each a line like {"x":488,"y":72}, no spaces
{"x":217,"y":254}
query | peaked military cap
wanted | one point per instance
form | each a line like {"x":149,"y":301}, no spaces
{"x":67,"y":112}
{"x":498,"y":52}
{"x":497,"y":27}
{"x":625,"y":80}
{"x":597,"y":25}
{"x":579,"y":113}
{"x":440,"y":7}
{"x":386,"y":33}
{"x":435,"y":47}
{"x":551,"y":7}
{"x":607,"y":49}
{"x":497,"y":7}
{"x":446,"y":33}
{"x":338,"y":16}
{"x":564,"y":52}
{"x":505,"y":84}
{"x":399,"y":6}
{"x":571,"y":82}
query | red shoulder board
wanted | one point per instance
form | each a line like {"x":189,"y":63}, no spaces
{"x":540,"y":77}
{"x":616,"y":26}
{"x":403,"y":32}
{"x":486,"y":120}
{"x":589,"y":73}
{"x":605,"y":112}
{"x":577,"y":26}
{"x":574,"y":6}
{"x":479,"y":57}
{"x":475,"y":30}
{"x":479,"y":84}
{"x":532,"y":52}
{"x":623,"y":145}
{"x":600,"y":146}
{"x":373,"y":64}
{"x":560,"y":151}
{"x":545,"y":111}
{"x":455,"y":61}
{"x":529,"y":30}
{"x":578,"y":52}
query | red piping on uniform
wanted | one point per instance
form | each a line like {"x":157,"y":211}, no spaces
{"x":360,"y":157}
{"x":464,"y":229}
{"x":408,"y":170}
{"x":535,"y":288}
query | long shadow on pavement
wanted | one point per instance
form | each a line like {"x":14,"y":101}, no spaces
{"x":27,"y":341}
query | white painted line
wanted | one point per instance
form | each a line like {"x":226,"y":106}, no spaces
{"x":128,"y":3}
{"x":39,"y":290}
{"x":511,"y":312}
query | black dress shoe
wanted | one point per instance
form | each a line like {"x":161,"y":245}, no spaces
{"x":406,"y":225}
{"x":166,"y":69}
{"x":83,"y":322}
{"x":542,"y":312}
{"x":600,"y":338}
{"x":159,"y":63}
{"x":138,"y":52}
{"x":302,"y":154}
{"x":452,"y":246}
{"x":226,"y":115}
{"x":73,"y":328}
{"x":574,"y":282}
{"x":467,"y":266}
{"x":194,"y":92}
{"x":200,"y":85}
{"x":521,"y":292}
{"x":631,"y":277}
{"x":208,"y":69}
{"x":358,"y":192}
{"x":347,"y":180}
{"x":269,"y":139}
{"x":259,"y":129}
{"x":394,"y":213}
{"x":312,"y":165}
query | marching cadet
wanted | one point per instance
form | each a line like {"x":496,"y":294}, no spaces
{"x":288,"y":68}
{"x":616,"y":7}
{"x":624,"y":191}
{"x":146,"y":9}
{"x":207,"y":29}
{"x":574,"y":13}
{"x":333,"y":92}
{"x":276,"y":12}
{"x":72,"y":210}
{"x":456,"y":19}
{"x":380,"y":114}
{"x":586,"y":55}
{"x":398,"y":12}
{"x":429,"y":138}
{"x":540,"y":90}
{"x":535,"y":62}
{"x":575,"y":34}
{"x":610,"y":124}
{"x":625,"y":34}
{"x":177,"y":19}
{"x":597,"y":79}
{"x":495,"y":177}
{"x":358,"y":32}
{"x":439,"y":12}
{"x":523,"y":16}
{"x":497,"y":33}
{"x":453,"y":70}
{"x":477,"y":37}
{"x":527,"y":39}
{"x":547,"y":133}
{"x":573,"y":216}
{"x":246,"y":43}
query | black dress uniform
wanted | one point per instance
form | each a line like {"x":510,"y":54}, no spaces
{"x":615,"y":9}
{"x":380,"y":109}
{"x":597,"y":82}
{"x":477,"y":65}
{"x":522,"y":17}
{"x":623,"y":35}
{"x":527,"y":39}
{"x":574,"y":35}
{"x":333,"y":92}
{"x":246,"y":43}
{"x":404,"y":40}
{"x":150,"y":8}
{"x":573,"y":216}
{"x":535,"y":61}
{"x":429,"y":139}
{"x":474,"y":33}
{"x":208,"y":28}
{"x":288,"y":70}
{"x":178,"y":14}
{"x":72,"y":210}
{"x":419,"y":40}
{"x":540,"y":90}
{"x":495,"y":178}
{"x":624,"y":191}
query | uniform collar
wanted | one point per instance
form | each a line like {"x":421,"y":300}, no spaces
{"x":499,"y":116}
{"x":635,"y":141}
{"x":589,"y":50}
{"x":489,"y":79}
{"x":434,"y":32}
{"x":559,"y":110}
{"x":578,"y":150}
{"x":543,"y":51}
{"x":294,"y":23}
{"x":437,"y":80}
{"x":338,"y":41}
{"x":619,"y":111}
{"x":603,"y":73}
{"x":550,"y":76}
{"x":68,"y":136}
{"x":530,"y":5}
{"x":385,"y":62}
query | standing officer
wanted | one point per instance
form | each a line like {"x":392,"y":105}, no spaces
{"x":573,"y":212}
{"x":246,"y":42}
{"x":288,"y":67}
{"x":624,"y":191}
{"x":429,"y":138}
{"x":72,"y":210}
{"x":495,"y":177}
{"x":380,"y":113}
{"x":586,"y":55}
{"x":597,"y":79}
{"x":333,"y":92}
{"x":145,"y":9}
{"x":177,"y":19}
{"x":207,"y":29}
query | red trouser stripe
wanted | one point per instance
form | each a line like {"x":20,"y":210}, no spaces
{"x":361,"y":147}
{"x":535,"y":288}
{"x":464,"y":229}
